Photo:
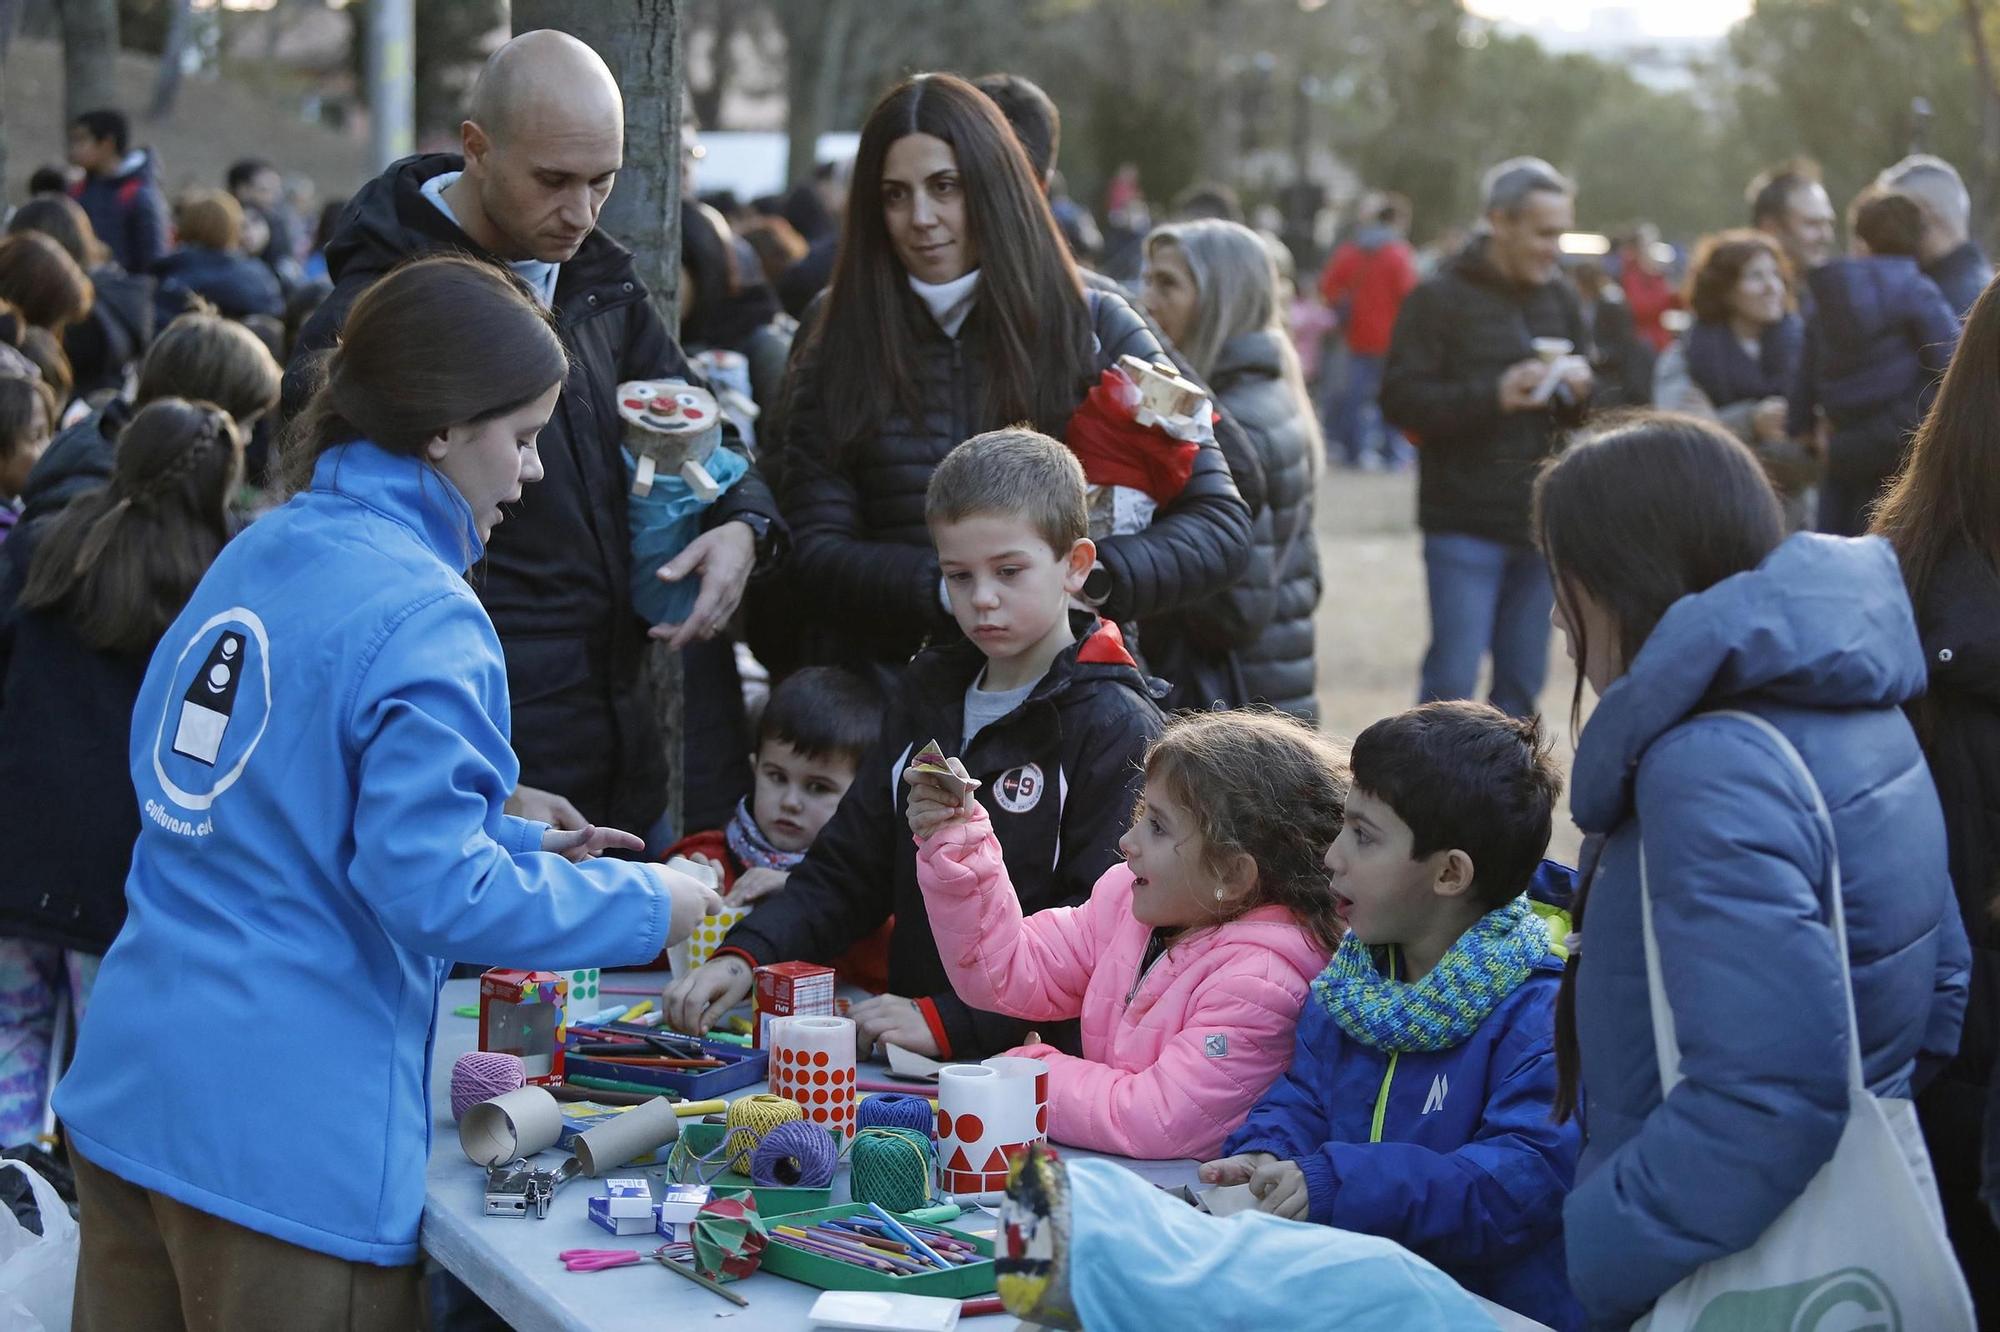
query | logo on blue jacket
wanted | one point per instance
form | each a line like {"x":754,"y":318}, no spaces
{"x":218,"y":702}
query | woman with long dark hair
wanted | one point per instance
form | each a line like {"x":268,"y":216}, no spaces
{"x":1683,"y":603}
{"x":321,"y":763}
{"x":1942,"y":514}
{"x":955,"y":308}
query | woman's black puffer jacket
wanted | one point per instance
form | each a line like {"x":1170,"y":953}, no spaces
{"x":864,"y":575}
{"x":1254,"y":642}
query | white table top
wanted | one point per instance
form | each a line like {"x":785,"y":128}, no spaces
{"x":512,"y":1265}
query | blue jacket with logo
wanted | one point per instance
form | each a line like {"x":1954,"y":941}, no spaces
{"x":1453,"y":1153}
{"x":320,"y":755}
{"x":1820,"y":641}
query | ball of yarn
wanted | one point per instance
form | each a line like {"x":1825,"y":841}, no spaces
{"x":482,"y":1075}
{"x":891,"y":1168}
{"x":897,"y":1110}
{"x":796,"y":1154}
{"x":750,"y":1118}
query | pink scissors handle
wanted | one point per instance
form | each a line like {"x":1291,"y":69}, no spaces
{"x":597,"y":1260}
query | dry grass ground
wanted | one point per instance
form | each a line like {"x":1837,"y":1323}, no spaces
{"x":1374,"y":622}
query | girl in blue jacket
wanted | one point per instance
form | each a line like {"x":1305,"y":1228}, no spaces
{"x":320,"y":755}
{"x":1679,"y":599}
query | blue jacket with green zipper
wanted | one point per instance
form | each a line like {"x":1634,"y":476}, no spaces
{"x":1453,"y":1153}
{"x":320,"y":756}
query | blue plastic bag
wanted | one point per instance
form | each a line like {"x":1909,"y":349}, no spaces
{"x":664,"y":522}
{"x":1141,"y":1259}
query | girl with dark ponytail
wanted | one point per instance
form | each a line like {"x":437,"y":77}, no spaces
{"x":1683,"y":604}
{"x":104,"y":579}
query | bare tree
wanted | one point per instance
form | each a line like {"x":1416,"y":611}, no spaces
{"x":173,"y":59}
{"x":640,"y":40}
{"x":90,"y":55}
{"x":817,"y":38}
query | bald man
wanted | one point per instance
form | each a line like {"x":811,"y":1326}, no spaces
{"x":1949,"y":255}
{"x":543,"y":141}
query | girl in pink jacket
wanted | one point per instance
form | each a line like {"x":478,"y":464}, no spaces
{"x":1190,"y":962}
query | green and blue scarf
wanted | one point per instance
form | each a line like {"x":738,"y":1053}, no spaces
{"x":1489,"y":962}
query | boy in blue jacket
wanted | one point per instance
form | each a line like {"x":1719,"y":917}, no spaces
{"x":1417,"y":1107}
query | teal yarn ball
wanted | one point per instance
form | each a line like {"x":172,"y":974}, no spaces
{"x":891,"y":1167}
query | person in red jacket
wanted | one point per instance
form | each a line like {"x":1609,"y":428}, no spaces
{"x":1364,"y":283}
{"x":1649,"y":291}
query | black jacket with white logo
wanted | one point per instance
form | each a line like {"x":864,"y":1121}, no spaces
{"x":1059,"y":777}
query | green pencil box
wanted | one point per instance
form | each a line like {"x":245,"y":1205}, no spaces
{"x":831,"y":1274}
{"x":699,"y":1139}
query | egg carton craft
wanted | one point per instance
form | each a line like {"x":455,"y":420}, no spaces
{"x":672,"y":428}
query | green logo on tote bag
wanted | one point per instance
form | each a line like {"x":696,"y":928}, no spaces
{"x":1850,"y":1300}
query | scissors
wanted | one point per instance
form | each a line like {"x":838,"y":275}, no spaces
{"x":597,"y":1260}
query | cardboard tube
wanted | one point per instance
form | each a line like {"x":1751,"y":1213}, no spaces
{"x":520,"y":1123}
{"x":628,"y":1136}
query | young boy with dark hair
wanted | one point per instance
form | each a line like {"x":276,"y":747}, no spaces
{"x":120,"y":189}
{"x":816,"y":726}
{"x":1043,"y":705}
{"x":1417,"y":1107}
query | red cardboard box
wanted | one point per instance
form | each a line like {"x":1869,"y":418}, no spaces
{"x":524,"y":1013}
{"x":791,"y":989}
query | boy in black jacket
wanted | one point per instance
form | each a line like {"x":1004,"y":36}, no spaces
{"x":1043,"y":705}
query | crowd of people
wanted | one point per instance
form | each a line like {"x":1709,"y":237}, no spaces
{"x":323,"y":572}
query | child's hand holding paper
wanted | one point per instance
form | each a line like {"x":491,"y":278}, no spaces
{"x":940,"y":791}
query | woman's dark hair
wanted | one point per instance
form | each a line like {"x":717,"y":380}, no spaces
{"x":207,"y":357}
{"x":1947,"y":496}
{"x":1033,"y":325}
{"x":63,"y":221}
{"x":121,"y":561}
{"x":436,"y":343}
{"x":1718,"y":264}
{"x":1656,"y":507}
{"x":727,"y":304}
{"x":777,"y":243}
{"x":46,"y":351}
{"x":43,"y":282}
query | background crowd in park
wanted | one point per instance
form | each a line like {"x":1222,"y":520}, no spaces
{"x":1448,"y":314}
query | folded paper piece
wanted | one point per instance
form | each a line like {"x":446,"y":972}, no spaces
{"x":931,"y":759}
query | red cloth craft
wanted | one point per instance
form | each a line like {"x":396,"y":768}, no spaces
{"x":1116,"y":450}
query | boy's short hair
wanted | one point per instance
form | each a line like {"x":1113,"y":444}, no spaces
{"x":823,"y":712}
{"x":1016,"y":471}
{"x":106,"y":123}
{"x":1466,"y":776}
{"x":210,"y":218}
{"x":1888,"y":222}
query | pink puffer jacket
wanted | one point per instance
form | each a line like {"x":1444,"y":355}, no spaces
{"x":1173,"y":1060}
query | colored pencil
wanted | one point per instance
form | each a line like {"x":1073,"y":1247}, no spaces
{"x":687,"y":1109}
{"x":852,"y":1249}
{"x":701,"y":1280}
{"x":637,"y":1011}
{"x":985,"y":1304}
{"x":837,"y":1255}
{"x":910,"y":1088}
{"x":897,"y":1229}
{"x":613,"y":1084}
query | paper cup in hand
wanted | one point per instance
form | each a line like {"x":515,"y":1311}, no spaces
{"x":1552,"y":350}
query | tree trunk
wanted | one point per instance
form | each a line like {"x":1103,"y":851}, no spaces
{"x":10,"y":15}
{"x":707,"y":101}
{"x":640,"y":40}
{"x":817,"y":36}
{"x":167,"y":87}
{"x":1987,"y":82}
{"x":90,"y":55}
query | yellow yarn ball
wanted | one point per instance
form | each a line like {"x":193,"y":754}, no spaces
{"x":750,"y":1118}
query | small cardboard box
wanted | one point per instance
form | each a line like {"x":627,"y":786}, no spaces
{"x":791,"y":989}
{"x":674,"y":1217}
{"x":625,"y":1207}
{"x":523,"y":1013}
